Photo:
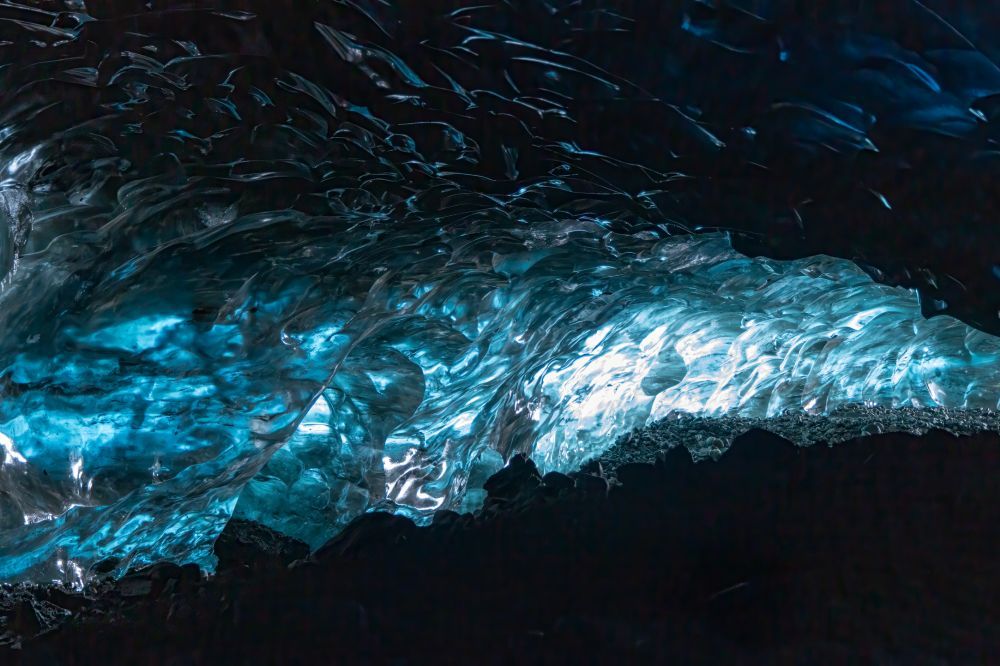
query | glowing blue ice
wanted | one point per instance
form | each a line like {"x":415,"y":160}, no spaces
{"x":364,"y":364}
{"x":225,"y":287}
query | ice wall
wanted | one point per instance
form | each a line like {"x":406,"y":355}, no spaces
{"x":310,"y":259}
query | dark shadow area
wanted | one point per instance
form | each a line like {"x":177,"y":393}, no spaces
{"x":863,"y":130}
{"x":882,"y":548}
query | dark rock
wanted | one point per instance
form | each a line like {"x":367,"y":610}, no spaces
{"x":165,"y":576}
{"x":591,"y":485}
{"x":676,"y":459}
{"x":106,"y":566}
{"x":180,"y":609}
{"x":445,"y":517}
{"x":136,"y":585}
{"x":464,"y":522}
{"x":369,"y":531}
{"x":639,"y":476}
{"x":164,"y":571}
{"x":153,"y":580}
{"x":774,"y":553}
{"x":191,"y":573}
{"x":347,"y":616}
{"x":63,"y":599}
{"x":557,"y":481}
{"x":760,"y":449}
{"x":248,"y":544}
{"x":518,"y":478}
{"x":24,"y":620}
{"x":305,"y":563}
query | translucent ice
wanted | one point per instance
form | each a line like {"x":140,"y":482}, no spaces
{"x":574,"y":338}
{"x":233,"y":278}
{"x":391,"y":358}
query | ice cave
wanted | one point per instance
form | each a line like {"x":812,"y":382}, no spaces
{"x":242,"y":281}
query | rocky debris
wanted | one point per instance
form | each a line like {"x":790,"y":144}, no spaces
{"x":882,"y":548}
{"x":135,"y":586}
{"x":27,"y":611}
{"x":591,"y":484}
{"x":105,"y":567}
{"x":160,"y":578}
{"x":369,"y":532}
{"x":248,"y":545}
{"x":446,"y":517}
{"x":518,"y":477}
{"x":557,"y":481}
{"x":707,"y":438}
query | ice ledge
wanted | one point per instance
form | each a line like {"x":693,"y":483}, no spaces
{"x":708,"y":438}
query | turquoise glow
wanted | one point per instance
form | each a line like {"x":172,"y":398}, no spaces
{"x":228,"y":287}
{"x":374,"y":365}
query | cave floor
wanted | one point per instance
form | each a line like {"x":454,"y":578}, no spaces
{"x":879,"y":549}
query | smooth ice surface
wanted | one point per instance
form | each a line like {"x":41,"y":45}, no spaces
{"x":234,"y":278}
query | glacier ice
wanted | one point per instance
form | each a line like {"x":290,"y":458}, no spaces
{"x":234,"y":280}
{"x":587,"y":337}
{"x":374,"y":363}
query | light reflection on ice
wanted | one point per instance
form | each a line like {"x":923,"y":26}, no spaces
{"x":385,"y":388}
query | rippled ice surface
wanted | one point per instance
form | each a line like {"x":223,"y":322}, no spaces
{"x":394,"y":360}
{"x":575,"y":336}
{"x":227,"y":288}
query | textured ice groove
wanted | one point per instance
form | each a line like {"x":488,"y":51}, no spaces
{"x":397,"y":362}
{"x":234,"y":279}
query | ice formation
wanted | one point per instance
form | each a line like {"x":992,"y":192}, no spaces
{"x":389,"y":361}
{"x":227,"y":287}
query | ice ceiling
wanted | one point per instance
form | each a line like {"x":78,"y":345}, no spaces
{"x":261,"y":262}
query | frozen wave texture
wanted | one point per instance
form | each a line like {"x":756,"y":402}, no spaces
{"x":240,"y":278}
{"x":573,"y":338}
{"x":393,"y":359}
